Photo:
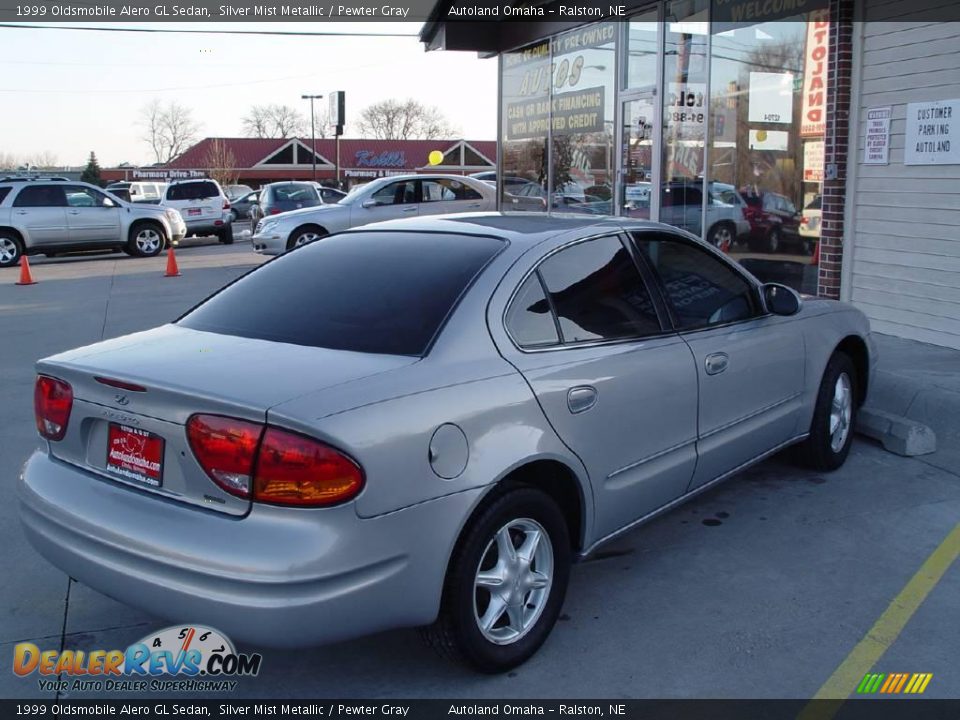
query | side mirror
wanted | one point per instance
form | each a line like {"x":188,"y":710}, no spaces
{"x":781,"y":300}
{"x":369,"y":203}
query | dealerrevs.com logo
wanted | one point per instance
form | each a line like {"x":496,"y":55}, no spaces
{"x":178,"y":658}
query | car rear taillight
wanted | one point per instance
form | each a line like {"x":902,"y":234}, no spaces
{"x":273,"y":211}
{"x":226,"y":204}
{"x":296,"y":470}
{"x":226,"y":449}
{"x":52,"y":403}
{"x":271,"y":465}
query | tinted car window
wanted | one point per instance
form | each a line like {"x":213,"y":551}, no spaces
{"x":370,"y":292}
{"x":701,"y":289}
{"x":41,"y":196}
{"x":398,"y":193}
{"x":446,"y":189}
{"x":3,"y":193}
{"x":79,"y":196}
{"x":598,"y":293}
{"x":192,"y":191}
{"x":300,"y":192}
{"x":529,"y":319}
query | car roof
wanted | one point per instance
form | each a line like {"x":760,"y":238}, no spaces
{"x":525,"y":229}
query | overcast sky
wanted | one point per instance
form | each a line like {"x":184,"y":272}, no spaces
{"x":70,"y":92}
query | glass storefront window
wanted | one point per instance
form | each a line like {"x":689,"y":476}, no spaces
{"x":766,"y":142}
{"x":582,"y":109}
{"x":525,"y":106}
{"x":642,"y":51}
{"x":685,"y":68}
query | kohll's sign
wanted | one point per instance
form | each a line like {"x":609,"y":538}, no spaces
{"x":933,"y":133}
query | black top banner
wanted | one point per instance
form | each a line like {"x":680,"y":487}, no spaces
{"x":612,"y":709}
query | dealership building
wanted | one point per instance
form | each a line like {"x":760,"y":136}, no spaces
{"x":833,"y":125}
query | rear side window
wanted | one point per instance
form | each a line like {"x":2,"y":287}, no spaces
{"x":375,"y":292}
{"x":529,"y":319}
{"x":193,"y":191}
{"x":4,"y":191}
{"x":41,"y":196}
{"x":598,"y":293}
{"x":294,"y":193}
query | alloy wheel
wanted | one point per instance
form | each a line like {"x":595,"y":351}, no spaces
{"x":8,"y":250}
{"x":723,"y":238}
{"x":148,"y":241}
{"x":841,"y":412}
{"x":305,"y":237}
{"x":513,"y":581}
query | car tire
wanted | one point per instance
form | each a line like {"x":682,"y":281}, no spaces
{"x":305,"y":234}
{"x":225,"y":236}
{"x":774,"y":241}
{"x":530,"y":594}
{"x":834,"y":415}
{"x":722,"y":236}
{"x":11,"y":249}
{"x":146,"y":240}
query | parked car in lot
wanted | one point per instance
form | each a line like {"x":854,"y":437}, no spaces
{"x":241,"y":207}
{"x":810,"y":223}
{"x":280,"y":197}
{"x":774,"y":221}
{"x":139,"y":192}
{"x":465,"y":404}
{"x":55,"y":216}
{"x":681,"y":205}
{"x":234,"y":192}
{"x":381,"y":199}
{"x":204,"y":207}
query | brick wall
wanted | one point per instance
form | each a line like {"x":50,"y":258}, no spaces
{"x":835,"y":147}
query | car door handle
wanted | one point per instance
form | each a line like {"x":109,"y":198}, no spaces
{"x":475,"y":205}
{"x":410,"y":209}
{"x":21,"y":212}
{"x":581,"y":398}
{"x":73,"y":212}
{"x":716,"y":363}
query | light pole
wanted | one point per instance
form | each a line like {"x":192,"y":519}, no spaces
{"x":313,"y":132}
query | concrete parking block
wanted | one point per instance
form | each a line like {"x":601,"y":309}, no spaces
{"x":898,"y":434}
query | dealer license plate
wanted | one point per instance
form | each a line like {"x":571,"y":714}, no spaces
{"x":191,"y":212}
{"x":135,"y":454}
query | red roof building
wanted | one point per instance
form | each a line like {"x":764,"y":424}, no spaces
{"x":258,"y":161}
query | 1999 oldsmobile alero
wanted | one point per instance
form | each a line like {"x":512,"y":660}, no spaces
{"x":424,"y":422}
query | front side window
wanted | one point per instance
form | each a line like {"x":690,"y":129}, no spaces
{"x":398,"y":193}
{"x":598,"y":293}
{"x":701,"y":289}
{"x":41,"y":196}
{"x":79,"y":196}
{"x":447,"y":189}
{"x":529,"y":319}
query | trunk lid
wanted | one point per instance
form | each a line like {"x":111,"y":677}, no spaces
{"x":184,"y":372}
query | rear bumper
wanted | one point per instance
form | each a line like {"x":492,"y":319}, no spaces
{"x":207,"y":226}
{"x":277,"y":577}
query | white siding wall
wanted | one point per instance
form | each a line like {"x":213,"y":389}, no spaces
{"x":903,"y":264}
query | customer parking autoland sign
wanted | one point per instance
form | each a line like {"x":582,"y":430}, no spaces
{"x":933,"y":133}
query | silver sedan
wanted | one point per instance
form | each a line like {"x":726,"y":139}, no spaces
{"x":397,"y":196}
{"x":466,"y":406}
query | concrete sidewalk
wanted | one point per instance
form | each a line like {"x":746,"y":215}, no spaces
{"x":919,"y":384}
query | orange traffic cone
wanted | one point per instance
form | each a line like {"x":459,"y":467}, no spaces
{"x":172,"y":269}
{"x":25,"y":277}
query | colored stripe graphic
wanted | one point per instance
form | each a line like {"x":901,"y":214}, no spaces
{"x":894,"y":683}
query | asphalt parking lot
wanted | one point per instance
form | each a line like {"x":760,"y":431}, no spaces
{"x":760,"y":588}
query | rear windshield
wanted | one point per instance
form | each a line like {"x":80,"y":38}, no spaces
{"x":192,"y":191}
{"x":375,"y":292}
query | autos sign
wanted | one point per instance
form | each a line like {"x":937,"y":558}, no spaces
{"x":813,"y":119}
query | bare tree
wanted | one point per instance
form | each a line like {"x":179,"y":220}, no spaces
{"x":404,"y":120}
{"x":221,"y":163}
{"x":8,"y":160}
{"x":169,"y":129}
{"x":276,"y":121}
{"x":45,"y":160}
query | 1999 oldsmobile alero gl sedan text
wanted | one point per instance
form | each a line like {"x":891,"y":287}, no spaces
{"x":423,"y":423}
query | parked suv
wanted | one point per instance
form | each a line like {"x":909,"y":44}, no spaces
{"x":204,"y":207}
{"x":50,"y":216}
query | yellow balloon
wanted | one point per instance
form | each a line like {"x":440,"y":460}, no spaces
{"x":435,"y":157}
